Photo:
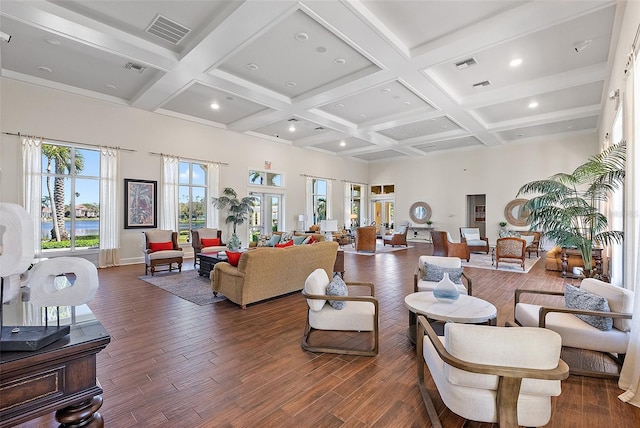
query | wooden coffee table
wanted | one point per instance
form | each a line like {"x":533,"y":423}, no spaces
{"x":467,"y":310}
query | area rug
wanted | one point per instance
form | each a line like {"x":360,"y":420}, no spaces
{"x":380,"y":249}
{"x":483,"y":261}
{"x":187,"y":285}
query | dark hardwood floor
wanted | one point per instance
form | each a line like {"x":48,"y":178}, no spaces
{"x":172,"y":363}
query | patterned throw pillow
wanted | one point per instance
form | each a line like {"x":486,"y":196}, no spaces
{"x":337,"y":287}
{"x":263,"y":241}
{"x":574,"y":298}
{"x":435,"y":273}
{"x":286,"y":236}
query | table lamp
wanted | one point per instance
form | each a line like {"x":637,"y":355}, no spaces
{"x":328,"y":226}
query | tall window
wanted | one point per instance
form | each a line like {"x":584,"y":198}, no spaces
{"x":192,"y":198}
{"x":319,"y":200}
{"x":70,"y":197}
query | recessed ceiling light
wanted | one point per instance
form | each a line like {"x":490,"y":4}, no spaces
{"x":215,"y":106}
{"x":52,"y":41}
{"x":292,"y":128}
{"x":112,"y":87}
{"x":533,"y":104}
{"x":342,"y":143}
{"x":321,"y":49}
{"x":47,"y":69}
{"x":515,"y":62}
{"x":339,"y":61}
{"x":301,"y":37}
{"x":291,"y":83}
{"x":253,"y":67}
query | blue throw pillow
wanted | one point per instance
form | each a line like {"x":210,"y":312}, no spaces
{"x":575,"y":298}
{"x":298,"y":240}
{"x":274,"y":240}
{"x":435,"y":273}
{"x":337,"y":287}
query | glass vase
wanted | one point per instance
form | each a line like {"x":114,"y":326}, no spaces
{"x":446,"y":291}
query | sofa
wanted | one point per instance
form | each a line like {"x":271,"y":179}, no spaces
{"x":318,"y":237}
{"x":554,"y":260}
{"x":266,"y":272}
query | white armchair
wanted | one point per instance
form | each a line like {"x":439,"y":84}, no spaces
{"x":359,"y":314}
{"x":491,"y":374}
{"x":420,"y":284}
{"x":577,"y":333}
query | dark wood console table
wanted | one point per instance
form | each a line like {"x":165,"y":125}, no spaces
{"x":60,"y":377}
{"x":596,"y":255}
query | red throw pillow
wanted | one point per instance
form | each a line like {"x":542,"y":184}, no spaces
{"x":233,"y":258}
{"x":159,"y":246}
{"x":311,"y":240}
{"x":211,"y":242}
{"x":286,"y":244}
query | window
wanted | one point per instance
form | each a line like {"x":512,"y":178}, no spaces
{"x":265,"y":178}
{"x":192,"y":198}
{"x":355,"y":203}
{"x":70,"y":197}
{"x":319,"y":200}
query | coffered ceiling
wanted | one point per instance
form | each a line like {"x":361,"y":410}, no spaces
{"x":372,"y":80}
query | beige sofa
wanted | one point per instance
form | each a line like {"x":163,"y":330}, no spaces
{"x":266,"y":272}
{"x":319,"y":237}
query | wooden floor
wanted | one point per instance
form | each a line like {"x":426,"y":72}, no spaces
{"x":174,"y":364}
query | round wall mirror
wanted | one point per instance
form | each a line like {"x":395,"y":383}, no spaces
{"x":515,"y":213}
{"x":420,"y":212}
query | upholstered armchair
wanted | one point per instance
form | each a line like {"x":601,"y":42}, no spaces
{"x":583,"y":333}
{"x":161,"y":248}
{"x":399,"y":237}
{"x":472,"y":237}
{"x":511,"y":250}
{"x":445,"y":247}
{"x":359,"y":313}
{"x":491,"y":374}
{"x":534,"y":245}
{"x":366,"y":238}
{"x":206,"y":240}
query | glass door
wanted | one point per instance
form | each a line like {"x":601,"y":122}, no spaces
{"x":383,"y":214}
{"x":266,"y":216}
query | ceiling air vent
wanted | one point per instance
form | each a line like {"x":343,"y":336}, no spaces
{"x":134,"y":67}
{"x":167,"y":29}
{"x":481,"y":84}
{"x":466,"y":63}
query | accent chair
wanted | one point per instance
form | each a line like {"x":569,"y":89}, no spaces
{"x":472,"y":237}
{"x":199,"y":240}
{"x":534,"y":246}
{"x":359,"y":313}
{"x":399,"y":237}
{"x":422,"y":284}
{"x":511,"y":250}
{"x":161,"y":248}
{"x":445,"y":247}
{"x":491,"y":374}
{"x":366,"y":239}
{"x":584,"y":333}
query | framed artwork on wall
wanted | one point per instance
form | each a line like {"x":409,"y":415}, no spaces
{"x":479,"y":213}
{"x":140,"y":206}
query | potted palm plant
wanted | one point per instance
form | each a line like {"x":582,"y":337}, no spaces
{"x":237,"y":212}
{"x":567,"y":208}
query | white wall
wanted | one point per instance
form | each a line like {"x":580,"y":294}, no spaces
{"x":53,"y":114}
{"x":444,"y":179}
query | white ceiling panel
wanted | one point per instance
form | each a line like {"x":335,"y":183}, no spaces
{"x":379,"y":75}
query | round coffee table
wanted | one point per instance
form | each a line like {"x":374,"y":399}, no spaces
{"x":467,"y":310}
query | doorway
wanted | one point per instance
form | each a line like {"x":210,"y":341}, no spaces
{"x":477,"y":213}
{"x":266,"y":216}
{"x":383,"y":214}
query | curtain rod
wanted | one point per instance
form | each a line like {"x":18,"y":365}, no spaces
{"x":315,"y":176}
{"x":193,"y":159}
{"x":19,"y":134}
{"x":355,"y":182}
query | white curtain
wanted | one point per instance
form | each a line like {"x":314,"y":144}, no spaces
{"x":169,"y":185}
{"x":108,"y":253}
{"x":213,"y":185}
{"x":32,"y":190}
{"x":347,"y":206}
{"x":308,"y":188}
{"x":630,"y":374}
{"x":329,"y":199}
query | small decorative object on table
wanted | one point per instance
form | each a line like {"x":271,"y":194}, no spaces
{"x":446,"y":291}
